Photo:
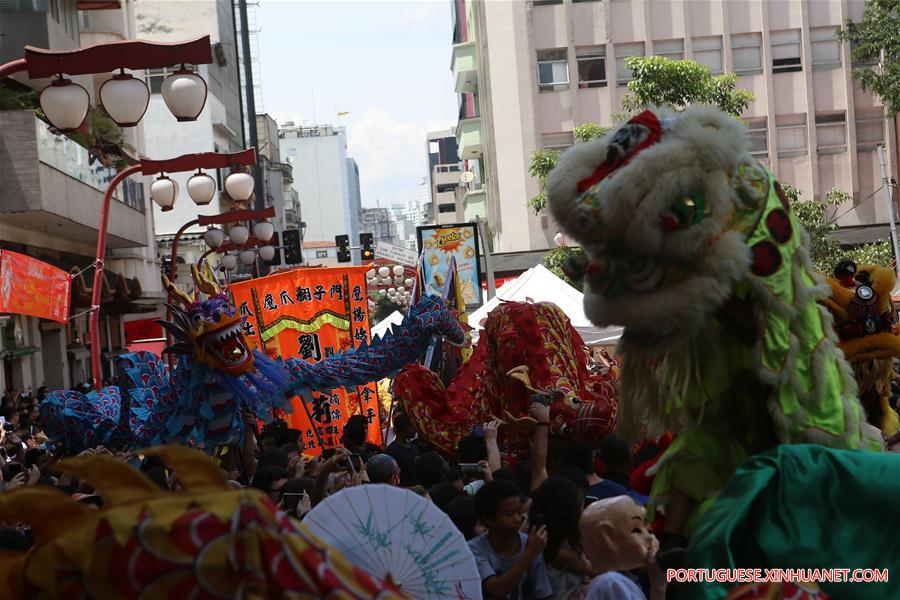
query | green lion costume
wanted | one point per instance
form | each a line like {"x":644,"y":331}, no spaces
{"x":693,"y":248}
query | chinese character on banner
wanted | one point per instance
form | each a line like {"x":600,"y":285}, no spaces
{"x":311,"y":314}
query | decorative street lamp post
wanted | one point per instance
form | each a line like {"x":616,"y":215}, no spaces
{"x":65,"y":104}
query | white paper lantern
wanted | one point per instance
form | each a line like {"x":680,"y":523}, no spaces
{"x":164,"y":191}
{"x":239,"y":234}
{"x":214,"y":237}
{"x":65,"y":104}
{"x":398,"y":270}
{"x":371,"y":274}
{"x":391,"y":291}
{"x":398,"y":280}
{"x":229,"y":261}
{"x":248,"y":257}
{"x":383,"y":272}
{"x":184,"y":92}
{"x":263,"y":231}
{"x":371,"y":282}
{"x":382,"y":292}
{"x":409,"y":281}
{"x":267,"y":253}
{"x":239,"y":186}
{"x":125,"y":99}
{"x":201,"y":188}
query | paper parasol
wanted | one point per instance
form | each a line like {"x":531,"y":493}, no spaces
{"x":395,"y":533}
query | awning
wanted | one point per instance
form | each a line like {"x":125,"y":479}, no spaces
{"x":862,"y":234}
{"x":17,"y":353}
{"x":98,"y":4}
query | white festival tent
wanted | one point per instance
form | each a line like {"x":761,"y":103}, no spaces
{"x":538,"y":284}
{"x":395,"y":318}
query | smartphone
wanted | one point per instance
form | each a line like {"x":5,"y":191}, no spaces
{"x":590,"y":500}
{"x":538,"y":520}
{"x":290,"y":501}
{"x":470,"y":471}
{"x":478,"y":429}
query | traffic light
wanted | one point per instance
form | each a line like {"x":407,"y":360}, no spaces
{"x":343,"y":248}
{"x":366,"y":252}
{"x":276,"y":260}
{"x":293,"y":249}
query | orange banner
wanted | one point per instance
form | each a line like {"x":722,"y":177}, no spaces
{"x":312,"y":314}
{"x":34,"y":288}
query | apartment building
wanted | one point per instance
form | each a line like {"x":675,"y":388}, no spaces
{"x":51,"y":189}
{"x":444,"y":177}
{"x":326,"y":181}
{"x":529,"y":72}
{"x":380,"y":223}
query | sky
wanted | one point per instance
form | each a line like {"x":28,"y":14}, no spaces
{"x":385,"y":62}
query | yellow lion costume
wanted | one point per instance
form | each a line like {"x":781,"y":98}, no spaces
{"x":866,"y":324}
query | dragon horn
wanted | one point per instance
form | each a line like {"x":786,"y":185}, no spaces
{"x":174,"y":292}
{"x":203,"y":283}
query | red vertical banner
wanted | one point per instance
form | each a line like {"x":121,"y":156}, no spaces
{"x":312,"y":314}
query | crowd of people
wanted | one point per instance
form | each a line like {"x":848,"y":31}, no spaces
{"x":521,"y":517}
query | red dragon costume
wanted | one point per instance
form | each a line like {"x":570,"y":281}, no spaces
{"x":525,"y":348}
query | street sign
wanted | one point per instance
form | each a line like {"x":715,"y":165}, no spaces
{"x":398,"y":254}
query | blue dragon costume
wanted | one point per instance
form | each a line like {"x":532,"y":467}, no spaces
{"x":219,"y":375}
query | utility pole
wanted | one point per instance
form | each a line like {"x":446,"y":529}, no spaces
{"x":488,"y":267}
{"x":888,"y":195}
{"x":260,"y":202}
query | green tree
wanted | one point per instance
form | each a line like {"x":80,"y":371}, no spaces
{"x":556,"y":258}
{"x":544,"y":161}
{"x":875,"y":46}
{"x":680,"y":83}
{"x":384,"y":307}
{"x":818,"y":219}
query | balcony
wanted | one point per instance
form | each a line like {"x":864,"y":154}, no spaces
{"x":475,"y":204}
{"x":465,"y":67}
{"x":468,"y":139}
{"x":48,"y":185}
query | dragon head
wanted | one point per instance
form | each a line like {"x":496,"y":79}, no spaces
{"x":209,"y":327}
{"x":536,"y":346}
{"x":662,"y":206}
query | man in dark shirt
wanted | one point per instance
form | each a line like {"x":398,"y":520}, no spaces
{"x":580,"y":455}
{"x":403,"y":450}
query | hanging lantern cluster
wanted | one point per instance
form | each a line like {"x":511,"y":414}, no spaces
{"x":389,"y":282}
{"x":124,"y":97}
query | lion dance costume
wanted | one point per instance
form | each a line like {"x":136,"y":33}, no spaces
{"x":866,"y":324}
{"x":204,"y":541}
{"x":693,"y":248}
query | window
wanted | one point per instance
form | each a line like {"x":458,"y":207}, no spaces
{"x":785,"y":51}
{"x":869,"y":130}
{"x":321,"y":253}
{"x":443,"y":188}
{"x":831,"y":133}
{"x":446,"y":208}
{"x":546,"y":2}
{"x":708,"y":51}
{"x":553,"y":70}
{"x":624,"y":51}
{"x":759,"y":137}
{"x":791,"y":133}
{"x":557,"y":141}
{"x":746,"y":50}
{"x":671,"y":49}
{"x":862,"y":63}
{"x":826,"y":49}
{"x":591,"y":67}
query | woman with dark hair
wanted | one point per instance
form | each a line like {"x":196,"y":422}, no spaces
{"x":557,"y":504}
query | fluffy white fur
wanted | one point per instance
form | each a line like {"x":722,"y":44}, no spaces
{"x":698,"y":151}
